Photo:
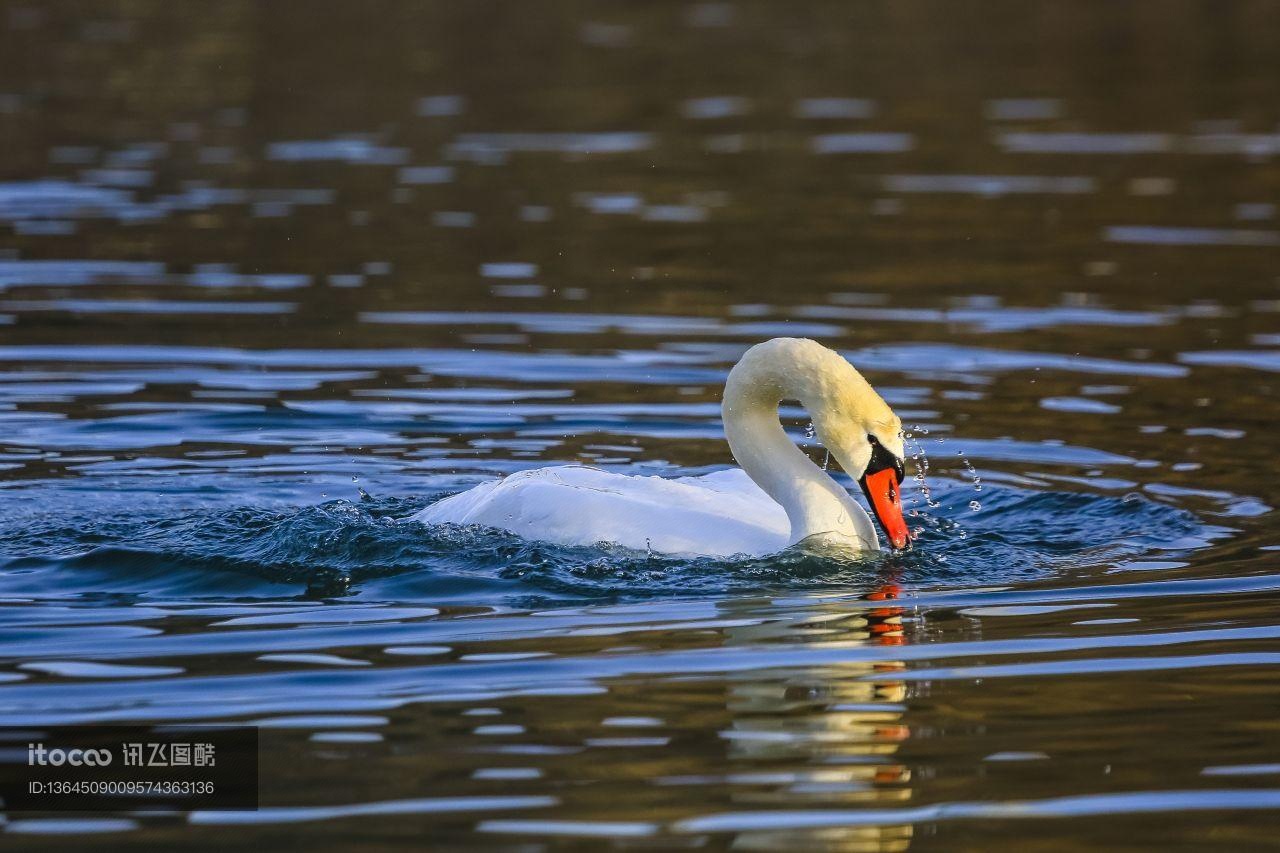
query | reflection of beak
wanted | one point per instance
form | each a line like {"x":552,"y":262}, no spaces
{"x":883,"y":493}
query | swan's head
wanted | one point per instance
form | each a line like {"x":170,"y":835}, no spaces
{"x":881,"y":483}
{"x":865,"y":437}
{"x":872,"y":453}
{"x":851,"y":419}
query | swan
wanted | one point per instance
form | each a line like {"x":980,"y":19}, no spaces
{"x":778,"y":498}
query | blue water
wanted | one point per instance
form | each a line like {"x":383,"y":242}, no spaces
{"x":372,"y":549}
{"x":273,"y":279}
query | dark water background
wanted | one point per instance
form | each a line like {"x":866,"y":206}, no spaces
{"x":275,"y":275}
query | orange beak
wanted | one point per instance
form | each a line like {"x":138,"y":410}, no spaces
{"x":882,"y":491}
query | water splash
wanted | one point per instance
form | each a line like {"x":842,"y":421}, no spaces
{"x":915,"y":447}
{"x":372,"y":549}
{"x":970,"y":471}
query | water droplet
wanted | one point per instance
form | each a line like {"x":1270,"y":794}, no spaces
{"x":975,"y":506}
{"x":973,"y":474}
{"x":921,"y":459}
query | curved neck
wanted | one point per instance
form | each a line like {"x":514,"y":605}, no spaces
{"x":815,"y":504}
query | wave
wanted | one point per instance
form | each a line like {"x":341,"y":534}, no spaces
{"x":372,"y":548}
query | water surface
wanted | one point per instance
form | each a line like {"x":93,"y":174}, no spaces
{"x":275,"y":276}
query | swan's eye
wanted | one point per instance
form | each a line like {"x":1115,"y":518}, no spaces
{"x":881,"y":459}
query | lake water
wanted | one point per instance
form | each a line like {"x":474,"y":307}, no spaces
{"x":275,"y":276}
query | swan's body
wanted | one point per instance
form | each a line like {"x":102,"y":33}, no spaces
{"x":720,"y":514}
{"x":778,"y":498}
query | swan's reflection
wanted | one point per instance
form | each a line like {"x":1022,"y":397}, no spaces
{"x":823,"y":737}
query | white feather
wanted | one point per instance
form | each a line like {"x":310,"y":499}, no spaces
{"x":777,"y":499}
{"x":720,"y":514}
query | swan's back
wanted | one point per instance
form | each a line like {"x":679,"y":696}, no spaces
{"x":719,"y":514}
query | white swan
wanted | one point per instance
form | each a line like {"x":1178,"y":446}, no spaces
{"x":778,"y":498}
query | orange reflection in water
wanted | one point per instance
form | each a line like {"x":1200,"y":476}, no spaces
{"x":823,"y":736}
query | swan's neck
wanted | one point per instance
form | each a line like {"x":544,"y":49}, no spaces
{"x":815,"y":504}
